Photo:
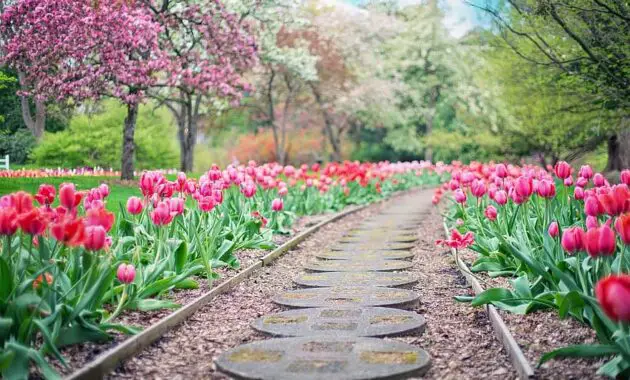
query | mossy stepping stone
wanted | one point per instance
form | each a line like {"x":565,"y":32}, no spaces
{"x":372,"y":246}
{"x":337,"y":322}
{"x":365,"y":255}
{"x":357,"y":266}
{"x":319,"y":358}
{"x":329,"y":279}
{"x":351,"y":296}
{"x":372,"y":238}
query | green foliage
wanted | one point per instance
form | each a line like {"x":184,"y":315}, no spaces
{"x":17,"y":145}
{"x":96,"y":140}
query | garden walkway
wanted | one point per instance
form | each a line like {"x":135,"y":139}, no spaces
{"x":370,"y":297}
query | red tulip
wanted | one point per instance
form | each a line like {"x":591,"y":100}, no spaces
{"x":100,"y":217}
{"x":8,"y":221}
{"x":491,"y":213}
{"x":161,"y":215}
{"x":613,"y":294}
{"x":33,"y":222}
{"x":553,"y":229}
{"x":622,"y":225}
{"x":46,"y":194}
{"x":134,"y":205}
{"x":126,"y":273}
{"x":625,"y":177}
{"x":600,"y":241}
{"x":68,"y":196}
{"x":69,"y":231}
{"x":573,"y":239}
{"x":95,"y":237}
{"x":563,"y":169}
{"x":22,"y":202}
{"x":277,"y":204}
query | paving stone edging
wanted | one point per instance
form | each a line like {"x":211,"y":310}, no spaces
{"x":519,"y":361}
{"x":110,"y":359}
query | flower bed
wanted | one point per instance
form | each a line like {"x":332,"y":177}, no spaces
{"x":69,"y":267}
{"x":562,"y":242}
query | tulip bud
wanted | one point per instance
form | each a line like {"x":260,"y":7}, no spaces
{"x":563,"y":170}
{"x":599,"y":180}
{"x":625,"y":177}
{"x":134,"y":205}
{"x":501,"y":171}
{"x":8,"y":221}
{"x":578,"y":193}
{"x":586,"y":172}
{"x":460,"y":196}
{"x":478,"y":188}
{"x":591,"y":222}
{"x":95,"y":237}
{"x":161,"y":215}
{"x":623,"y":228}
{"x":553,"y":229}
{"x":491,"y":213}
{"x":126,"y":273}
{"x":277,"y":204}
{"x":600,"y":241}
{"x":592,"y":206}
{"x":568,"y":181}
{"x":500,"y":197}
{"x":573,"y":239}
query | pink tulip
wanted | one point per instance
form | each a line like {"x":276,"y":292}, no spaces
{"x":600,"y":241}
{"x":478,"y":188}
{"x":134,"y":205}
{"x":546,"y":189}
{"x":553,"y":229}
{"x":524,"y":187}
{"x":500,"y":197}
{"x":161,"y":215}
{"x":283,"y":191}
{"x":573,"y":239}
{"x":625,"y":176}
{"x":104,"y":190}
{"x":568,"y":181}
{"x":176,"y":205}
{"x":277,"y":204}
{"x":591,"y":222}
{"x":592,"y":206}
{"x":563,"y":170}
{"x":491,"y":213}
{"x":578,"y":193}
{"x":501,"y":171}
{"x":599,"y":180}
{"x":581,"y":182}
{"x":126,"y":273}
{"x":586,"y":172}
{"x":460,"y":196}
{"x":94,"y":238}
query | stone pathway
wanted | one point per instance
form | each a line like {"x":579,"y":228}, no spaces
{"x":332,"y":336}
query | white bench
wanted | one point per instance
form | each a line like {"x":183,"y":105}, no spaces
{"x":4,"y":162}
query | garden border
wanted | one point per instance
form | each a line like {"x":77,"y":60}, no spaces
{"x":104,"y":363}
{"x":519,"y":361}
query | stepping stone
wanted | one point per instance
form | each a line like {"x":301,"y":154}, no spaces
{"x":355,"y":296}
{"x":357,"y":266}
{"x":365,"y":255}
{"x":380,"y":233}
{"x":386,"y":246}
{"x":319,"y":358}
{"x":379,"y":238}
{"x":330,"y":279}
{"x":379,"y":226}
{"x":338,"y":322}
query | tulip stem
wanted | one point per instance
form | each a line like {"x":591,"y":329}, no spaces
{"x":119,"y":308}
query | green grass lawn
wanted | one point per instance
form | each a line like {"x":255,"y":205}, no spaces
{"x":118,"y":192}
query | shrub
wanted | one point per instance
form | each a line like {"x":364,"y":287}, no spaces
{"x":96,"y":140}
{"x":17,"y":145}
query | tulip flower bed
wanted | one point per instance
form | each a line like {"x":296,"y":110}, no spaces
{"x":68,"y":271}
{"x":562,"y":242}
{"x":59,"y":172}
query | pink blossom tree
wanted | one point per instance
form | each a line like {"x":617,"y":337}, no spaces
{"x":207,"y":48}
{"x":81,"y":49}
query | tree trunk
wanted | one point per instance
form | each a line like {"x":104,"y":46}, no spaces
{"x":624,"y":148}
{"x":187,"y":130}
{"x":614,"y":158}
{"x":37,"y":123}
{"x":128,"y":148}
{"x":334,"y":138}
